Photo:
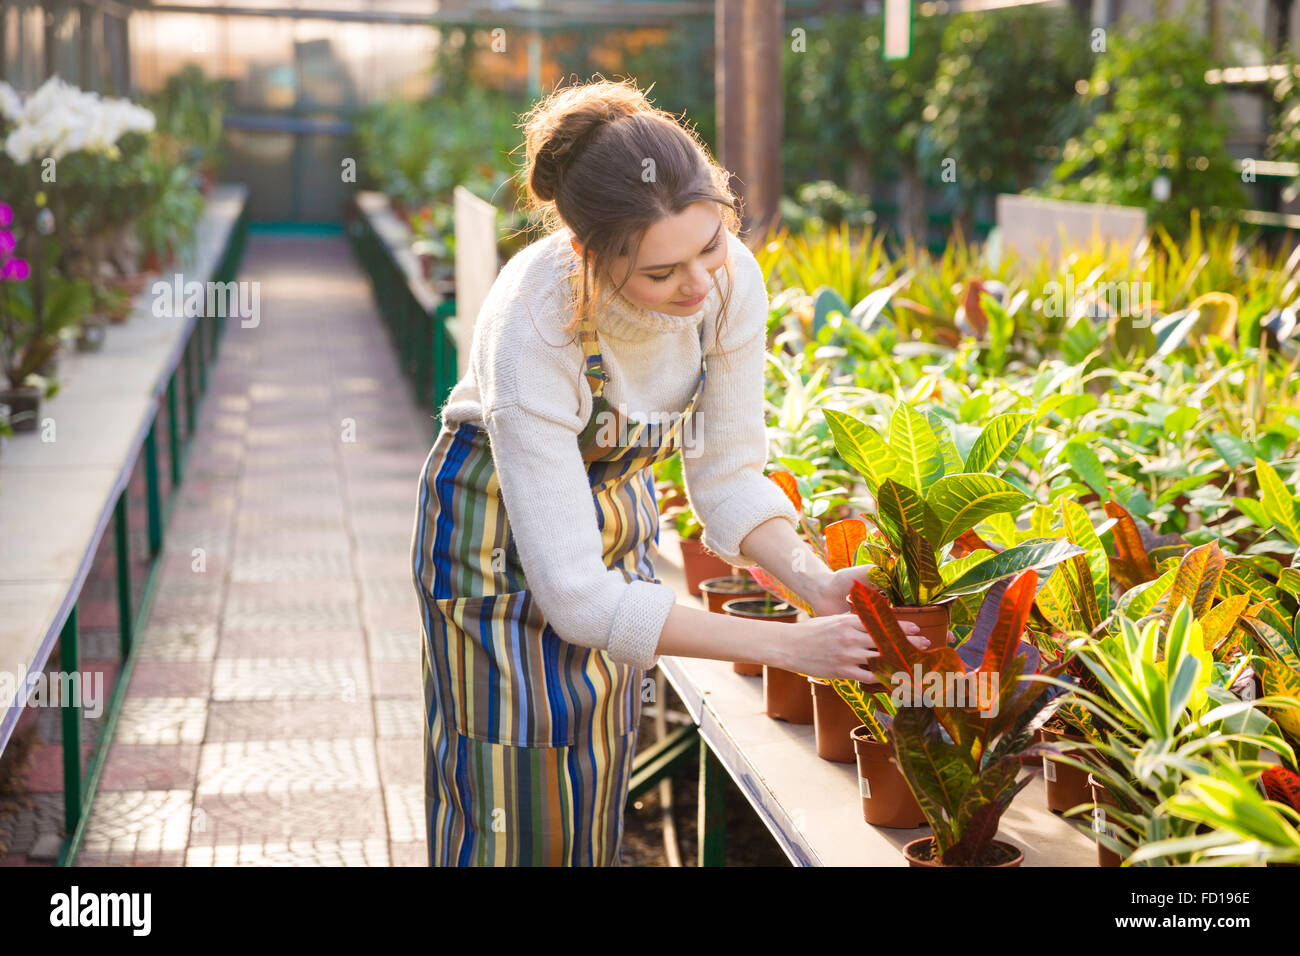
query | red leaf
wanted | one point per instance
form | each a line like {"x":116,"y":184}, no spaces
{"x":968,"y":542}
{"x":1128,"y":544}
{"x":1283,"y":786}
{"x":842,"y":540}
{"x":1013,"y":615}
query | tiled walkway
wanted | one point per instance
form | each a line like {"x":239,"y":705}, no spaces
{"x":274,"y":713}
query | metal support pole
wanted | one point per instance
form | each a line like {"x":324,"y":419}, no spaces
{"x":173,"y":433}
{"x":151,"y":482}
{"x":713,"y":810}
{"x":122,"y":536}
{"x":70,"y":663}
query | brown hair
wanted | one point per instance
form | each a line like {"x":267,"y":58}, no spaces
{"x":586,"y":148}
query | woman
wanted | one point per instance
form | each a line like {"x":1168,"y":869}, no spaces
{"x":537,"y":516}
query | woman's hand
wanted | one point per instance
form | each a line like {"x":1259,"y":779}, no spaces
{"x":832,"y":593}
{"x":835,"y":647}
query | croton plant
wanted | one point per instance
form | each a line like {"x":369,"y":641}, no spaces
{"x":961,"y":757}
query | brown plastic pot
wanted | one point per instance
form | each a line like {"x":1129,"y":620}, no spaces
{"x":733,"y":587}
{"x":700,"y":564}
{"x":833,"y":722}
{"x":887,"y":800}
{"x":932,"y":619}
{"x":1066,"y":786}
{"x":1102,"y":798}
{"x":786,"y":697}
{"x":918,"y":853}
{"x":761,"y":609}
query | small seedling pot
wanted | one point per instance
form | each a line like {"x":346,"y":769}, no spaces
{"x":759,"y":609}
{"x":733,"y":587}
{"x":887,"y":800}
{"x":699,"y":564}
{"x":833,"y":723}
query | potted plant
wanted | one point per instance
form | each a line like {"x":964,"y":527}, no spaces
{"x":959,"y":733}
{"x":887,"y":798}
{"x":1163,"y":710}
{"x":718,"y":591}
{"x":22,"y":349}
{"x":191,"y":107}
{"x":785,"y":693}
{"x":698,"y":563}
{"x":924,"y":552}
{"x":927,"y":497}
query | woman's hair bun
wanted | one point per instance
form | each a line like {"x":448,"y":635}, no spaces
{"x":558,"y":128}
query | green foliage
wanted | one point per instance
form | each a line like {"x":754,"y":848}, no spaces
{"x":190,"y":107}
{"x":1165,"y":717}
{"x":1156,"y":116}
{"x":1001,"y":97}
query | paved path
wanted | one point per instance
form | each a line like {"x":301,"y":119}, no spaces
{"x":274,"y":713}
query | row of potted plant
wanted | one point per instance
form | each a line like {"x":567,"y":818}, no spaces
{"x":99,"y":192}
{"x":935,"y":534}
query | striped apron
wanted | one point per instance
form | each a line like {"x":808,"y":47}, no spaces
{"x":528,"y":738}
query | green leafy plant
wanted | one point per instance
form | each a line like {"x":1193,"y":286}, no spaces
{"x":1244,"y":827}
{"x":927,"y":495}
{"x":1163,"y":712}
{"x":1161,"y":118}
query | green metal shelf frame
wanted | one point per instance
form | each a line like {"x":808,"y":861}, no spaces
{"x":197,"y":356}
{"x":421,"y":337}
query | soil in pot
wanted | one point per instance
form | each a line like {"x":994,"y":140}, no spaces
{"x":887,"y":800}
{"x":765,"y":609}
{"x":932,"y":619}
{"x":834,"y":722}
{"x":1066,"y":786}
{"x":1102,"y":798}
{"x":24,"y":407}
{"x":701,"y":564}
{"x":718,"y":591}
{"x":1000,"y":853}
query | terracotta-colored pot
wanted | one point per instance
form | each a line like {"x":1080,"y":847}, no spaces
{"x":834,"y":722}
{"x":763,"y":609}
{"x":1066,"y":786}
{"x":700,"y":564}
{"x":932,"y":619}
{"x":887,"y":800}
{"x":733,"y":587}
{"x":786,"y":697}
{"x":717,"y":592}
{"x":917,"y":852}
{"x":1102,"y":798}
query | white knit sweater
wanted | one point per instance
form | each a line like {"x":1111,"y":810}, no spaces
{"x":525,"y":384}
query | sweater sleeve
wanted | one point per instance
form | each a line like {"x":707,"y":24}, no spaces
{"x":724,"y":458}
{"x":533,"y":411}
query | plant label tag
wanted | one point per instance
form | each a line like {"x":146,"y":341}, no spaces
{"x":865,"y":787}
{"x":1049,"y":771}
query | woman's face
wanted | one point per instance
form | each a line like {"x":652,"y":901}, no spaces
{"x":676,"y":262}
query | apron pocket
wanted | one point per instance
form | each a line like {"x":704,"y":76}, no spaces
{"x":518,"y":682}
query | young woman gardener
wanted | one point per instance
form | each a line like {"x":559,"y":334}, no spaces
{"x":533,"y":543}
